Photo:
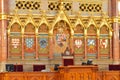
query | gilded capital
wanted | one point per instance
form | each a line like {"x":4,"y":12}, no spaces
{"x":115,"y":19}
{"x":3,"y":16}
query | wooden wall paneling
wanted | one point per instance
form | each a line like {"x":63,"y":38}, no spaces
{"x":14,"y":76}
{"x":99,"y":75}
{"x":111,"y":75}
{"x":1,"y":76}
{"x":64,"y":74}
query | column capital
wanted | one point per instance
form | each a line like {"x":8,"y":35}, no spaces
{"x":115,"y":19}
{"x":3,"y":16}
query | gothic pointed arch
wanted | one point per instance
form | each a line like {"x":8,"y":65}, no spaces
{"x":15,"y":28}
{"x":30,"y":25}
{"x":61,"y":16}
{"x":16,"y":23}
{"x":105,"y":28}
{"x":29,"y":42}
{"x":43,"y":25}
{"x":61,"y":36}
{"x":91,"y":22}
{"x":43,"y":39}
{"x":104,"y":41}
{"x":78,"y":41}
{"x":30,"y":20}
{"x":43,"y":28}
{"x":79,"y":26}
{"x":29,"y":29}
{"x":14,"y":37}
{"x":91,"y":27}
{"x":91,"y":45}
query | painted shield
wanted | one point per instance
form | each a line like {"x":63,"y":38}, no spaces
{"x":43,"y":43}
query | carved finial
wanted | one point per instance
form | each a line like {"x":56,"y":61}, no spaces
{"x":43,"y":12}
{"x":16,"y":11}
{"x":61,"y":5}
{"x":104,"y":14}
{"x":79,"y":14}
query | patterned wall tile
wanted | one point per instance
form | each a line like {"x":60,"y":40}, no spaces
{"x":90,"y":7}
{"x":55,"y":5}
{"x":33,"y":5}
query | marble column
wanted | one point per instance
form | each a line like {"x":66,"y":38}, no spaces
{"x":115,"y":25}
{"x":3,"y":33}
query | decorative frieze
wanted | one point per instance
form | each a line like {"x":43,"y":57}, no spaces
{"x":28,"y":4}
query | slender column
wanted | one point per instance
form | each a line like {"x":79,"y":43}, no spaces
{"x":71,"y":45}
{"x":110,"y":49}
{"x":114,"y":9}
{"x":36,"y":47}
{"x":85,"y":39}
{"x":3,"y":32}
{"x":98,"y":54}
{"x":23,"y":57}
{"x":51,"y":47}
{"x":85,"y":55}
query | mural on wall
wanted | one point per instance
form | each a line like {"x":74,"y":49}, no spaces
{"x":91,"y":46}
{"x":79,"y":43}
{"x":15,"y":45}
{"x":61,"y":39}
{"x":61,"y":34}
{"x":29,"y":40}
{"x":29,"y":44}
{"x":80,"y":34}
{"x":104,"y":46}
{"x":79,"y":46}
{"x":104,"y":42}
{"x":43,"y":42}
{"x":43,"y":45}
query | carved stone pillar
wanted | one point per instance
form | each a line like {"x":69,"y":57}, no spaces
{"x":114,"y":12}
{"x":3,"y":32}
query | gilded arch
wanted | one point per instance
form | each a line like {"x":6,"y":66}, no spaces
{"x":43,"y":21}
{"x":105,"y":23}
{"x":15,"y":20}
{"x":15,"y":28}
{"x":92,"y":23}
{"x":62,"y":17}
{"x":30,"y":21}
{"x":79,"y":22}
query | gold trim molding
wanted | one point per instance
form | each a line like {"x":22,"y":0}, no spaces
{"x":3,"y":16}
{"x":115,"y":19}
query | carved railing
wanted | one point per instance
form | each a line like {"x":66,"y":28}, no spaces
{"x":101,"y":75}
